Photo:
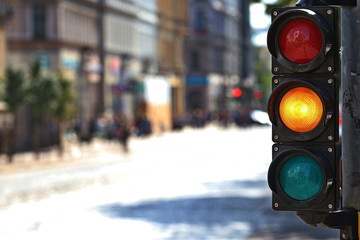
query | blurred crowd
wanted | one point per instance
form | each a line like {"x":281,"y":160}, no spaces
{"x":119,"y":128}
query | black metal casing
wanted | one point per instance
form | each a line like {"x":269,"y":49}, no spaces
{"x":321,"y":75}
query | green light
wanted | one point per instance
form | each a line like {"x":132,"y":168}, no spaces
{"x":301,"y":177}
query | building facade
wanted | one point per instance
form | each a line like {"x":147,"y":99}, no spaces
{"x":62,"y":35}
{"x":212,"y":53}
{"x":119,"y":19}
{"x":112,"y":51}
{"x":172,"y":33}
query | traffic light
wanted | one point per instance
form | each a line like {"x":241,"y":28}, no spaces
{"x":303,"y":109}
{"x":236,"y":92}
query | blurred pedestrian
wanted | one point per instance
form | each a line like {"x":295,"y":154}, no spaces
{"x":122,"y":131}
{"x":143,"y":126}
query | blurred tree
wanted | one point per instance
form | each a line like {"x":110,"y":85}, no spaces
{"x":14,"y":95}
{"x":263,"y":69}
{"x":42,"y":97}
{"x":64,"y":108}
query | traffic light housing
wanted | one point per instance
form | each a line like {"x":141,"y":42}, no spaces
{"x":302,"y":40}
{"x":304,"y":108}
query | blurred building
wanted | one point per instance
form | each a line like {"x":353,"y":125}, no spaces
{"x":215,"y":53}
{"x":121,"y":65}
{"x":62,"y":35}
{"x":172,"y":32}
{"x":246,"y":63}
{"x":112,"y":50}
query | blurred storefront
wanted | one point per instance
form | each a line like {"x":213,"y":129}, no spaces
{"x":213,"y":54}
{"x":62,"y":35}
{"x":158,"y":102}
{"x":108,"y":49}
{"x":172,"y":33}
{"x":196,"y":93}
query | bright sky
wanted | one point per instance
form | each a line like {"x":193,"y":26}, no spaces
{"x":258,"y":18}
{"x":260,"y":22}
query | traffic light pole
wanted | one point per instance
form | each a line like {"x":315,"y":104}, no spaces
{"x":350,"y":93}
{"x":351,"y":107}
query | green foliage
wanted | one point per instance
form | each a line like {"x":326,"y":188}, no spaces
{"x":14,"y":93}
{"x":50,"y":94}
{"x":43,"y":95}
{"x":262,"y":68}
{"x":42,"y":91}
{"x":35,"y":70}
{"x":64,"y":108}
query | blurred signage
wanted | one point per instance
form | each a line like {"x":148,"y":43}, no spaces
{"x":44,"y":60}
{"x":132,"y":70}
{"x":196,"y":80}
{"x":70,"y":59}
{"x":93,"y":65}
{"x":113,"y":65}
{"x":157,"y":90}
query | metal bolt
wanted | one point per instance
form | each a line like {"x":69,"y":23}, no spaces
{"x":329,"y":69}
{"x":275,"y":13}
{"x":330,"y":81}
{"x":330,"y":149}
{"x":329,"y":12}
{"x":276,"y":205}
{"x":344,"y":235}
{"x":276,"y":69}
{"x":276,"y":137}
{"x":276,"y":149}
{"x":276,"y":81}
{"x":330,"y":206}
{"x":330,"y":138}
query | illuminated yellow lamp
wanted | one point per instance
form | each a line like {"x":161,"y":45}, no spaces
{"x":301,"y":109}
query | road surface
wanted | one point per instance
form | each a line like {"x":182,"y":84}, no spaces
{"x":197,"y":184}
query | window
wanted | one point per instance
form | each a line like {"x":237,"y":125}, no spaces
{"x":194,"y":61}
{"x":200,"y":21}
{"x":39,"y":21}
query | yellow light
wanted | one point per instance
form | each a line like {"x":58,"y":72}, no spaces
{"x":301,"y":109}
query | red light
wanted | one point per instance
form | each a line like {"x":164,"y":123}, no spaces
{"x":300,"y":40}
{"x":237,"y":92}
{"x":258,"y":95}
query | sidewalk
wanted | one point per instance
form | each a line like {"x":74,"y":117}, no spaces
{"x":73,"y":152}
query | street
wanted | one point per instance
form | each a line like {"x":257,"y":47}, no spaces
{"x":195,"y":184}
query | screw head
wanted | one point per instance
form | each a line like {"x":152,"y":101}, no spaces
{"x":329,"y":69}
{"x":276,"y":205}
{"x":330,"y":206}
{"x":329,"y":11}
{"x":276,"y":81}
{"x":330,"y":149}
{"x":275,"y":13}
{"x":330,"y":81}
{"x":276,"y":69}
{"x":276,"y":137}
{"x":330,"y":138}
{"x":276,"y":149}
